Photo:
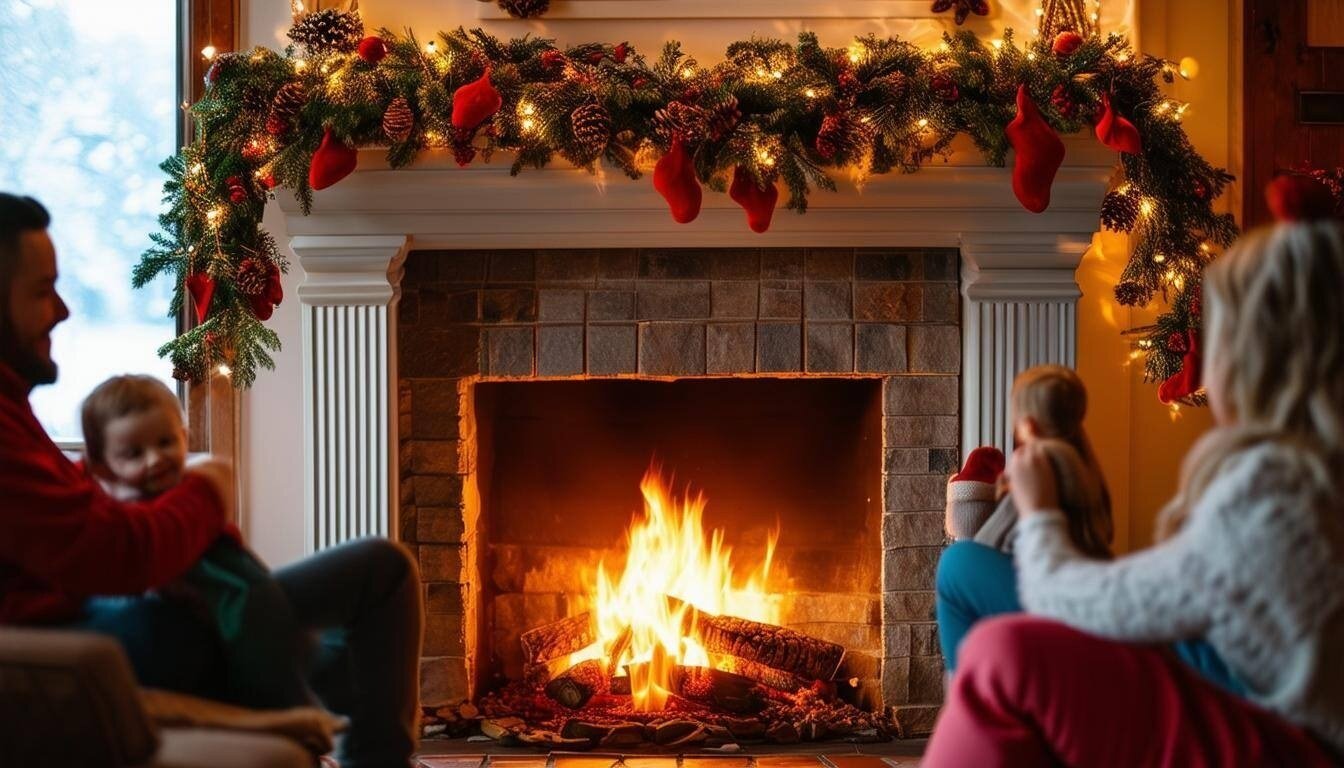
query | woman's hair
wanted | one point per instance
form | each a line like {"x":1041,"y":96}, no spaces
{"x":1274,"y":349}
{"x":1055,"y":399}
{"x":121,"y":396}
{"x":1082,"y":498}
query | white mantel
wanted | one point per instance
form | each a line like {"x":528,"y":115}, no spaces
{"x":1017,"y":279}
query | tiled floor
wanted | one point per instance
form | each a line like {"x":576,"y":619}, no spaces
{"x":561,"y":760}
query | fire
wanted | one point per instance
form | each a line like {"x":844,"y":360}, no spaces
{"x":669,"y":553}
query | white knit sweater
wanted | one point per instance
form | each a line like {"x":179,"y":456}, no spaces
{"x":1257,"y":570}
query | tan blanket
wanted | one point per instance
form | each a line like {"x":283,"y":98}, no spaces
{"x":311,"y":727}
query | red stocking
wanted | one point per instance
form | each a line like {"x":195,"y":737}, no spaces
{"x":757,"y":202}
{"x":1115,"y":131}
{"x":474,"y":102}
{"x":1187,"y":381}
{"x":1039,"y":154}
{"x":332,"y":161}
{"x":1299,"y":198}
{"x":674,"y":178}
{"x":202,"y":288}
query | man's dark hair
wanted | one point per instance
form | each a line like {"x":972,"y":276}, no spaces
{"x":18,"y":214}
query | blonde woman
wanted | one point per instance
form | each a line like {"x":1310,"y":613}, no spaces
{"x":1252,"y":559}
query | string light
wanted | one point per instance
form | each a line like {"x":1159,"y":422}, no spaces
{"x":1188,"y":68}
{"x":300,"y":65}
{"x":225,"y":370}
{"x":208,"y":52}
{"x":1031,"y":55}
{"x":687,"y":72}
{"x":196,"y":169}
{"x":761,"y":73}
{"x":527,"y":109}
{"x":998,"y":44}
{"x":1122,"y":57}
{"x":765,"y":158}
{"x":297,"y":7}
{"x":1158,"y":258}
{"x":810,"y":93}
{"x":776,"y":74}
{"x":1146,"y":206}
{"x":1205,"y":247}
{"x":431,"y":48}
{"x":528,"y":124}
{"x":213,"y":216}
{"x":922,"y":123}
{"x":432,"y":137}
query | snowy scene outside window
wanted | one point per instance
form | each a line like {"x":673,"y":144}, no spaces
{"x":88,"y":109}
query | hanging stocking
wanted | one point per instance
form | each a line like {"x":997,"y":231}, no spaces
{"x":333,"y":161}
{"x":202,"y":288}
{"x":759,"y":203}
{"x":474,"y":102}
{"x":1115,"y":131}
{"x":1039,"y":154}
{"x":674,"y":178}
{"x":1187,"y":381}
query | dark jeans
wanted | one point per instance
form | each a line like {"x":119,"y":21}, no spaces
{"x":975,"y":582}
{"x":362,"y":598}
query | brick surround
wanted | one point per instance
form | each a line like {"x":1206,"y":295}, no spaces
{"x":888,"y":314}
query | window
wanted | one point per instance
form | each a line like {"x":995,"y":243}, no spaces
{"x":88,"y":109}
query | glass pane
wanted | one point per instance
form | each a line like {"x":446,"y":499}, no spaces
{"x":88,"y":98}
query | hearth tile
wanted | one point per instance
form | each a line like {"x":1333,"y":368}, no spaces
{"x":910,"y":567}
{"x":443,"y":680}
{"x":441,"y":562}
{"x":444,"y":635}
{"x":671,"y":349}
{"x":445,"y":597}
{"x":926,"y":679}
{"x":438,"y":525}
{"x":648,"y":761}
{"x":896,"y":641}
{"x":672,"y":300}
{"x":779,"y":348}
{"x":438,"y":490}
{"x":830,"y":264}
{"x":560,"y":350}
{"x":942,"y":303}
{"x":921,"y":396}
{"x":585,"y":761}
{"x":888,"y":302}
{"x":911,"y":529}
{"x":697,"y":761}
{"x":559,"y":306}
{"x":734,"y":299}
{"x":518,"y":761}
{"x":459,"y":266}
{"x":611,"y":350}
{"x":855,"y":761}
{"x":830,"y":347}
{"x":509,"y":351}
{"x":778,"y":303}
{"x":453,"y":761}
{"x":431,"y":353}
{"x":567,"y":265}
{"x":674,"y":264}
{"x":435,"y":409}
{"x":611,"y":305}
{"x":827,"y":300}
{"x":885,"y":264}
{"x":730,"y":348}
{"x":441,"y":308}
{"x":907,"y":461}
{"x":917,"y":720}
{"x":907,"y":606}
{"x":915,"y":493}
{"x":509,"y":305}
{"x":924,"y":639}
{"x":408,"y":308}
{"x":935,"y":349}
{"x":880,"y":348}
{"x":921,"y":431}
{"x":782,"y":264}
{"x":788,"y":761}
{"x":736,"y":264}
{"x":512,"y":267}
{"x":896,"y":680}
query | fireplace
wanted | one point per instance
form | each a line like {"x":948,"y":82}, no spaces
{"x":807,"y":394}
{"x":436,"y":302}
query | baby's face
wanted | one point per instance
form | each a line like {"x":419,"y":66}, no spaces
{"x":147,"y":450}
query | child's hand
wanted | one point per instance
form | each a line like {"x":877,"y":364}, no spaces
{"x":1032,"y":480}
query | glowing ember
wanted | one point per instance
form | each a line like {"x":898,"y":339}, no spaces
{"x":670,"y":554}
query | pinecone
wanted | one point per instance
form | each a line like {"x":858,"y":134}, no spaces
{"x":831,"y":136}
{"x":1119,"y":211}
{"x":723,"y":118}
{"x":686,"y":121}
{"x":327,"y":31}
{"x":849,"y":85}
{"x":398,"y":120}
{"x":591,"y":124}
{"x":285,"y":107}
{"x":524,"y":9}
{"x":890,"y":89}
{"x":254,"y":102}
{"x":1063,"y":101}
{"x":944,"y":87}
{"x":252,"y":276}
{"x":1132,"y":294}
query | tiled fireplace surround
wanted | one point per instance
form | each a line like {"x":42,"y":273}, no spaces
{"x":421,"y":283}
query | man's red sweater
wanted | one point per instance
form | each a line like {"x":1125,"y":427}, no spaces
{"x":62,"y":539}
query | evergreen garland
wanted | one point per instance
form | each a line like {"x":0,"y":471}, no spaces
{"x":782,"y":112}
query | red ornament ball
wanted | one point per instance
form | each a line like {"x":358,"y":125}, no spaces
{"x":1177,"y":343}
{"x":620,"y":52}
{"x":552,"y":59}
{"x":1063,"y":102}
{"x":276,"y":126}
{"x":1066,"y":43}
{"x":372,"y":49}
{"x":1200,"y":189}
{"x":238,"y":194}
{"x":944,"y":88}
{"x":596,"y":57}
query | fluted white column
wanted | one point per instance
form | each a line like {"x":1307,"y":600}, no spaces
{"x":1020,"y":310}
{"x":349,"y":299}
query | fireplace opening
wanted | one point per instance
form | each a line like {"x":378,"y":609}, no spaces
{"x":771,"y":593}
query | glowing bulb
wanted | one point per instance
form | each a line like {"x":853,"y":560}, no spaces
{"x":922,"y":123}
{"x":1123,"y":189}
{"x":1134,"y":355}
{"x":528,"y":109}
{"x":208,"y":52}
{"x":1096,"y":17}
{"x":529,"y":124}
{"x":760,"y":72}
{"x":224,"y":370}
{"x":776,"y":74}
{"x":1040,"y":11}
{"x":213,"y":216}
{"x":1189,"y":67}
{"x":687,"y":72}
{"x":431,"y":47}
{"x":432,"y":137}
{"x":998,"y":44}
{"x":325,"y":69}
{"x":1158,"y":258}
{"x":300,"y":65}
{"x":1162,"y":108}
{"x":810,"y":93}
{"x":197,"y":168}
{"x":765,"y":158}
{"x":1031,"y":55}
{"x":1122,"y":57}
{"x":1205,"y":247}
{"x":297,"y":6}
{"x":943,"y":47}
{"x":1146,"y":206}
{"x":854,"y":56}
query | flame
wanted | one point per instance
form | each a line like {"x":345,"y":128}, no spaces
{"x":669,"y":554}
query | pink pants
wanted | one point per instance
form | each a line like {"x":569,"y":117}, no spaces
{"x":1032,"y":692}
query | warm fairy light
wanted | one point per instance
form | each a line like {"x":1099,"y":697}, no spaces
{"x":1145,"y":343}
{"x":297,"y":6}
{"x":760,"y":72}
{"x":1122,"y":57}
{"x":225,"y":370}
{"x":943,"y":47}
{"x":1162,"y":108}
{"x":855,"y":53}
{"x":1123,"y":189}
{"x":1158,"y":258}
{"x":1031,"y":55}
{"x":196,"y":169}
{"x":325,"y":69}
{"x":998,"y":44}
{"x":1175,"y":411}
{"x":1095,"y":17}
{"x":1040,"y":11}
{"x":1135,"y":354}
{"x":208,"y":52}
{"x":528,"y":124}
{"x":763,"y":155}
{"x":527,"y":109}
{"x":431,"y":47}
{"x":922,"y":123}
{"x":1146,"y":206}
{"x":1189,"y":67}
{"x":1205,"y":247}
{"x":777,"y":74}
{"x":1180,"y":111}
{"x":300,"y":64}
{"x":810,"y":93}
{"x":687,"y":72}
{"x":432,"y":137}
{"x":213,"y":216}
{"x":671,"y":554}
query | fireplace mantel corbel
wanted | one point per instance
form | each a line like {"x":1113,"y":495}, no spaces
{"x":1017,"y":281}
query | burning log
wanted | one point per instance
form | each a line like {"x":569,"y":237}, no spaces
{"x":765,"y":644}
{"x":772,"y":678}
{"x":578,"y":684}
{"x":724,"y":690}
{"x":557,"y":639}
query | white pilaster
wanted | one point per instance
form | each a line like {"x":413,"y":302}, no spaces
{"x":1020,"y":310}
{"x":349,"y":298}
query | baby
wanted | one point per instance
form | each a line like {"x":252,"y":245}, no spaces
{"x":1048,"y":402}
{"x":136,"y":446}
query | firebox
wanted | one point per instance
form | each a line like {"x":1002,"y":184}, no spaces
{"x":679,"y":486}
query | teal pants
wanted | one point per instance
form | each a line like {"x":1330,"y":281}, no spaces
{"x":975,"y":581}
